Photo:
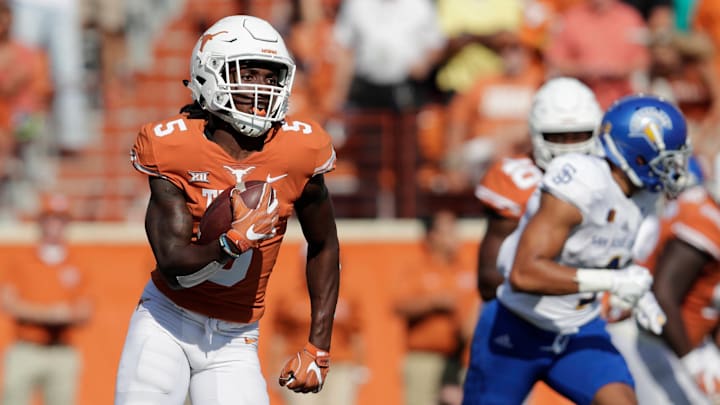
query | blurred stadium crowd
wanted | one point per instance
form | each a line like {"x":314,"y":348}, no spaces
{"x":419,"y":95}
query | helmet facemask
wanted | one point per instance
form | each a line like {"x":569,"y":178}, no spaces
{"x":545,"y":150}
{"x":268,"y":102}
{"x":670,"y":167}
{"x":666,"y":172}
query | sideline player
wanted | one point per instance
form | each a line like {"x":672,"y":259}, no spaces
{"x":574,"y":242}
{"x":563,"y":118}
{"x":196,"y":325}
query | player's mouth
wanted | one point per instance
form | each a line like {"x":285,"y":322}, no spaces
{"x":248,"y":105}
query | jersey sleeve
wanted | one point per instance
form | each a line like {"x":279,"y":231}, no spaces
{"x":325,"y":158}
{"x":582,"y":181}
{"x":161,"y":149}
{"x":507,"y":186}
{"x":308,"y":146}
{"x":142,"y":155}
{"x":698,"y":224}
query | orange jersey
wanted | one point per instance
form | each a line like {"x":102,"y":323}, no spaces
{"x":507,"y":186}
{"x":178,"y":151}
{"x":44,"y":283}
{"x":695,"y":219}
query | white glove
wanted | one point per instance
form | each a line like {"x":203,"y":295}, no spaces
{"x":631,"y":283}
{"x":617,"y":309}
{"x":628,"y":284}
{"x":703,"y":363}
{"x":649,"y":314}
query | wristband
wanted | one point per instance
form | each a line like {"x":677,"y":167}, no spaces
{"x":225,"y":246}
{"x":321,"y":357}
{"x":591,"y":280}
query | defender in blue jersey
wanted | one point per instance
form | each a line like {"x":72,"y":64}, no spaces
{"x":573,"y":244}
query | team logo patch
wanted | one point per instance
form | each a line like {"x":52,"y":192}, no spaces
{"x":239,"y":172}
{"x":650,"y":123}
{"x":199,"y":177}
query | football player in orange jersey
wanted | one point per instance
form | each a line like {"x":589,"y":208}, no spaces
{"x":686,"y":266}
{"x":563,"y":118}
{"x":196,"y":325}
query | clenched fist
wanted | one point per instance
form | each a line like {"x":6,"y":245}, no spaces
{"x":306,"y":370}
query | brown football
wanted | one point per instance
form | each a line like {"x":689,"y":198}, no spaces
{"x":218,"y":216}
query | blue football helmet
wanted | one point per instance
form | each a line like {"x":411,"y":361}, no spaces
{"x":695,"y":171}
{"x":646,"y":137}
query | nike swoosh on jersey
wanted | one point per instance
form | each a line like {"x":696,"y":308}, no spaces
{"x":251,"y":235}
{"x":271,"y":179}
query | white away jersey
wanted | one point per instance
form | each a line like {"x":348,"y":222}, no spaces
{"x":603,"y":240}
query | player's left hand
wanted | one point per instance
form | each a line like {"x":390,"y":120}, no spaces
{"x":702,"y":364}
{"x":649,"y":314}
{"x":306,"y":370}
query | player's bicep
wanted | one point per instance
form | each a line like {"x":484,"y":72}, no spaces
{"x":315,"y":213}
{"x":547,"y":231}
{"x":677,"y":268}
{"x":168,"y":222}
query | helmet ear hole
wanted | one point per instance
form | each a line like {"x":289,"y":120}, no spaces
{"x":222,"y":99}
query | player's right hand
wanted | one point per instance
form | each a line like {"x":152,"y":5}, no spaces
{"x":631,"y":283}
{"x":251,"y":226}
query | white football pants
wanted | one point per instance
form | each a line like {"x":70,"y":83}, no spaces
{"x":169,"y":350}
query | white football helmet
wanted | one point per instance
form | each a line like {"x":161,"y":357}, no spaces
{"x":563,"y":104}
{"x":236,"y":40}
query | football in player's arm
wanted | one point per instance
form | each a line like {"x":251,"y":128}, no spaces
{"x":563,"y":117}
{"x":196,"y":326}
{"x":573,"y":243}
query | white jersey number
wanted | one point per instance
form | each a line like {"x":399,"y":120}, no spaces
{"x":523,"y":172}
{"x":170,"y":127}
{"x":297,"y":126}
{"x":236,"y":273}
